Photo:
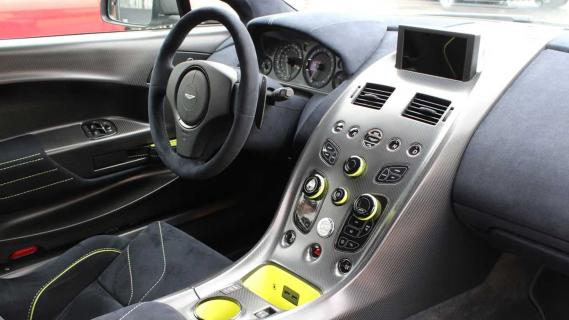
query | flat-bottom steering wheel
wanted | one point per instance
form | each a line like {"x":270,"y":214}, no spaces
{"x":213,"y":104}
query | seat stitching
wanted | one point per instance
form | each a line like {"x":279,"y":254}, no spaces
{"x":21,"y":164}
{"x":22,"y":158}
{"x":131,"y":310}
{"x":59,"y":275}
{"x":130,"y":275}
{"x":35,"y":189}
{"x":28,"y":177}
{"x":164,"y":263}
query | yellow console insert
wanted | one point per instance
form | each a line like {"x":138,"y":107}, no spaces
{"x":217,"y":308}
{"x":280,"y":287}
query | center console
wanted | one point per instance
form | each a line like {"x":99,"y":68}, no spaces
{"x":364,"y":163}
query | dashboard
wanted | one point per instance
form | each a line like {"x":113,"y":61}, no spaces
{"x":299,"y":62}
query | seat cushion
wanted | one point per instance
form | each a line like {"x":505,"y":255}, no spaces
{"x":103,"y":274}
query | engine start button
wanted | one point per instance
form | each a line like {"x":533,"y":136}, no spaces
{"x":325,"y":227}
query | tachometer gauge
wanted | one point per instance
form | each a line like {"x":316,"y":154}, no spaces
{"x":319,"y":67}
{"x":339,"y":77}
{"x":288,"y":62}
{"x":266,"y":66}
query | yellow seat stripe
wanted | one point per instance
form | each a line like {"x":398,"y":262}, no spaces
{"x":71,"y":266}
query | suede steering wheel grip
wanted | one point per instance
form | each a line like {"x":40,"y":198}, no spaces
{"x":245,"y":103}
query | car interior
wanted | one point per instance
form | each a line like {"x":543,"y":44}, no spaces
{"x":257,"y":161}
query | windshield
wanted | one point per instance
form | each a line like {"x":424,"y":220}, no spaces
{"x":537,"y":11}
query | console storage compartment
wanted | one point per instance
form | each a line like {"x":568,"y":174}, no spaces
{"x":280,"y":287}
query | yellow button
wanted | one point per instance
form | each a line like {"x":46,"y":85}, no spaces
{"x":217,"y":308}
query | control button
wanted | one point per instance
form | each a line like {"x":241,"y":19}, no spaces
{"x":315,"y":251}
{"x":391,"y":174}
{"x":231,"y":289}
{"x":366,"y":207}
{"x":398,"y":170}
{"x":394,"y":144}
{"x":325,"y":227}
{"x":329,"y":152}
{"x":314,"y":186}
{"x":372,"y":138}
{"x":339,"y":126}
{"x":353,"y":132}
{"x":367,"y":228}
{"x":344,"y":266}
{"x":383,"y":174}
{"x":342,"y":242}
{"x":414,"y":150}
{"x":96,"y":129}
{"x":354,"y":166}
{"x":352,"y":245}
{"x":340,"y":196}
{"x":393,"y":178}
{"x":351,"y":231}
{"x":356,"y":222}
{"x":289,"y":237}
{"x":306,"y":223}
{"x":265,"y":313}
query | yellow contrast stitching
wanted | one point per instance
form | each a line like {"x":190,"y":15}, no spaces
{"x":21,"y":164}
{"x":19,"y":159}
{"x":28,"y":177}
{"x":71,"y":266}
{"x":130,"y":275}
{"x":35,"y":189}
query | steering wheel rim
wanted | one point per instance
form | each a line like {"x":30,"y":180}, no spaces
{"x":245,"y":103}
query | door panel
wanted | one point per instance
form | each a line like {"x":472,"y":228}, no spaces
{"x":58,"y":183}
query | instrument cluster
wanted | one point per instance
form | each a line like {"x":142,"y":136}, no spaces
{"x":300,"y":63}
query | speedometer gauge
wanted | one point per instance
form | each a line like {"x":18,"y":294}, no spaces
{"x":319,"y":67}
{"x":288,"y":62}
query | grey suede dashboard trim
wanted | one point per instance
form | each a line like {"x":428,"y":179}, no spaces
{"x":516,"y":167}
{"x":343,"y":34}
{"x":561,"y":43}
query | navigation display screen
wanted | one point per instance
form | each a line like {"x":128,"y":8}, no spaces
{"x":437,"y":52}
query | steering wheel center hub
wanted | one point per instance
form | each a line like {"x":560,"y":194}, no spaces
{"x":192,"y":98}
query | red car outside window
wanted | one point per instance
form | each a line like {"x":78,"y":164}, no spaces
{"x":39,"y":18}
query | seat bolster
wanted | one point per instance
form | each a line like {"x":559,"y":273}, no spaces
{"x":90,"y":303}
{"x":144,"y":311}
{"x":45,"y":292}
{"x":159,"y":261}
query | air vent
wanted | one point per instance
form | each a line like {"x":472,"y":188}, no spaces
{"x":426,"y":108}
{"x":373,"y":96}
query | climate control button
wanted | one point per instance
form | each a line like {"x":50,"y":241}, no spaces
{"x":355,"y":166}
{"x":366,"y":207}
{"x":340,"y":196}
{"x":314,"y":186}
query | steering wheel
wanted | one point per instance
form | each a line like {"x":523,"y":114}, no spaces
{"x":203,"y":96}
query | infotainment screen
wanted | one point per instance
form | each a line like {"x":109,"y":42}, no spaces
{"x":437,"y":52}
